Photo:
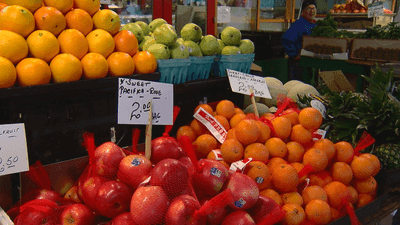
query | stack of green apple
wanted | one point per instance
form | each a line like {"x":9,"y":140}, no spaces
{"x":233,"y":44}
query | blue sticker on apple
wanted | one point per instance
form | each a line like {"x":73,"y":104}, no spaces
{"x":240,"y":203}
{"x":136,"y":162}
{"x":216,"y":172}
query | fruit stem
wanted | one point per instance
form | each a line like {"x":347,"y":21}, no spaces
{"x":188,"y":147}
{"x":220,"y":201}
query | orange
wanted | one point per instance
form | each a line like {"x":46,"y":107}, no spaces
{"x":206,"y":107}
{"x":232,"y":150}
{"x":256,"y":151}
{"x":107,"y":20}
{"x":365,"y":186}
{"x":276,"y":147}
{"x":362,"y":167}
{"x":285,"y":178}
{"x":186,"y":131}
{"x":336,"y":191}
{"x":316,"y":158}
{"x":100,"y":41}
{"x":320,"y":178}
{"x":247,"y":131}
{"x":233,"y":122}
{"x":282,"y":127}
{"x":79,"y":19}
{"x":314,"y":192}
{"x":50,"y":19}
{"x":120,"y":64}
{"x":294,"y":214}
{"x":17,"y":19}
{"x":31,"y":5}
{"x":12,"y":46}
{"x":223,"y":121}
{"x":335,"y":214}
{"x":94,"y":66}
{"x":43,"y":45}
{"x":310,"y":118}
{"x":145,"y":62}
{"x":268,"y":116}
{"x":327,"y":146}
{"x":298,"y":167}
{"x":292,"y":115}
{"x":63,"y":6}
{"x":376,"y":164}
{"x":65,"y":68}
{"x":300,"y":134}
{"x":344,"y":152}
{"x":295,"y":152}
{"x":318,"y":211}
{"x":354,"y":195}
{"x":364,"y":199}
{"x":8,"y":73}
{"x":258,"y":172}
{"x":231,"y":134}
{"x":270,"y":193}
{"x":225,"y":108}
{"x":204,"y":144}
{"x":265,"y":131}
{"x":238,"y":110}
{"x":32,"y":71}
{"x":211,"y":154}
{"x":198,"y":127}
{"x":341,"y":172}
{"x":274,"y":162}
{"x":292,"y":197}
{"x":72,"y":41}
{"x":90,"y":6}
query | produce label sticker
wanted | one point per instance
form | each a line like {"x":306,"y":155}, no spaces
{"x":212,"y":124}
{"x":239,"y":166}
{"x":243,"y":82}
{"x":375,"y":9}
{"x":13,"y":150}
{"x":135,"y":97}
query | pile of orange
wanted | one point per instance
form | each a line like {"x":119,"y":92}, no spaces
{"x":280,"y":153}
{"x":63,"y":41}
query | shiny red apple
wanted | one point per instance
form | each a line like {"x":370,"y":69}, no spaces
{"x":107,"y":159}
{"x":89,"y":188}
{"x":77,"y":214}
{"x":244,"y":190}
{"x":113,"y":198}
{"x":133,"y":170}
{"x":211,"y":177}
{"x":34,"y":218}
{"x":149,"y":205}
{"x":123,"y":219}
{"x":238,"y":217}
{"x":181,"y":211}
{"x":165,"y":147}
{"x":189,"y":165}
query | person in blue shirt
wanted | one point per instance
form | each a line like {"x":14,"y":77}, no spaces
{"x":292,"y":39}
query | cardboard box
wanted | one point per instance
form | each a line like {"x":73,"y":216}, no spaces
{"x":375,"y":50}
{"x":325,"y":48}
{"x":336,"y":81}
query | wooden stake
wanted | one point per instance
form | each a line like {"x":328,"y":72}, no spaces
{"x":253,"y":101}
{"x":149,"y":127}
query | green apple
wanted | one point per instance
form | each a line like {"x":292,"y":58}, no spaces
{"x":179,"y":51}
{"x":231,"y":36}
{"x":209,"y":45}
{"x":221,"y":46}
{"x":230,"y":50}
{"x":144,"y":26}
{"x":180,"y":40}
{"x":156,"y":23}
{"x":246,"y":46}
{"x":159,"y":51}
{"x":147,"y":42}
{"x":135,"y":29}
{"x":194,"y":49}
{"x":191,"y":32}
{"x":165,"y":34}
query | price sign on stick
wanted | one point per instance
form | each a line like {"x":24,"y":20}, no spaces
{"x":243,"y":82}
{"x":135,"y":97}
{"x":13,"y":150}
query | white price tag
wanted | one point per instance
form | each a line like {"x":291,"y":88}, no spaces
{"x":240,"y":165}
{"x":134,"y":102}
{"x":223,"y":14}
{"x":243,"y":82}
{"x":13,"y":150}
{"x":318,"y":134}
{"x":212,"y":124}
{"x":375,"y":9}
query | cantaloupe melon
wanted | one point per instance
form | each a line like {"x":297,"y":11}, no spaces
{"x":261,"y":108}
{"x":272,"y":79}
{"x":273,"y":109}
{"x":247,"y":100}
{"x":291,"y":83}
{"x":301,"y":89}
{"x":274,"y":89}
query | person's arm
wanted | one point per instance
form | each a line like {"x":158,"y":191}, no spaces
{"x":291,"y":41}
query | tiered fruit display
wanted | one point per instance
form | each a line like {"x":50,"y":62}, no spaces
{"x":352,"y":6}
{"x":61,"y":41}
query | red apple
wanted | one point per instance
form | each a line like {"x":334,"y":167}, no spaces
{"x":34,"y":218}
{"x":107,"y":159}
{"x":42,"y":194}
{"x":72,"y":194}
{"x":89,"y":188}
{"x":77,"y":214}
{"x":133,"y":170}
{"x":165,"y":147}
{"x":38,"y":212}
{"x":211,"y":177}
{"x":238,"y":217}
{"x":113,"y":198}
{"x":262,"y":208}
{"x":181,"y":211}
{"x":217,"y":216}
{"x":149,"y":205}
{"x":244,"y":190}
{"x":123,"y":219}
{"x":172,"y":175}
{"x":189,"y":165}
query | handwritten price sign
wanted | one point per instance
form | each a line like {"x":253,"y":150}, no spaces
{"x":13,"y":150}
{"x":243,"y":82}
{"x":134,"y":101}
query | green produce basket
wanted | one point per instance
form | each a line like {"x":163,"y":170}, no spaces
{"x":241,"y":63}
{"x":200,"y":67}
{"x":173,"y":71}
